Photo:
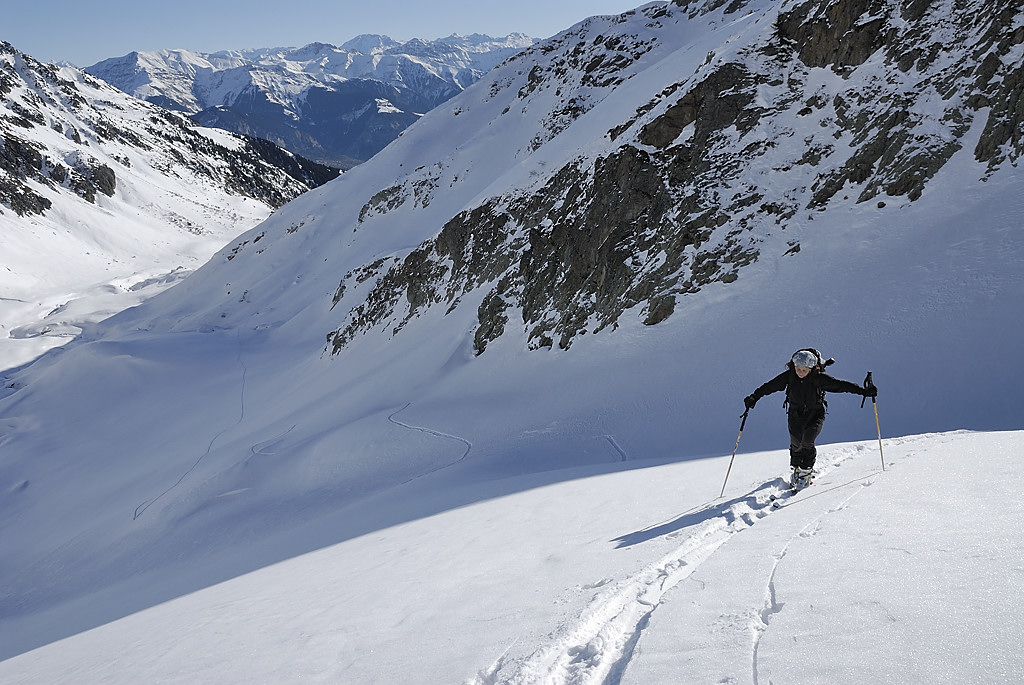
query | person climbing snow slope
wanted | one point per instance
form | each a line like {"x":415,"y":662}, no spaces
{"x":805,"y":383}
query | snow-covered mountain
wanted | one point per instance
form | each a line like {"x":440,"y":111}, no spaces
{"x":336,"y":104}
{"x":104,"y":194}
{"x":462,"y":415}
{"x":728,"y":161}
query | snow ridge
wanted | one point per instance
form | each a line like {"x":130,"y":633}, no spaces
{"x":106,"y":200}
{"x":339,"y":105}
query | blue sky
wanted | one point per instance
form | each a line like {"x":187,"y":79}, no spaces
{"x":84,"y":33}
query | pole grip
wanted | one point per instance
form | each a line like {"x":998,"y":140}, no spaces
{"x":867,"y":384}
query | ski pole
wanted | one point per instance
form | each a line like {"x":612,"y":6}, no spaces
{"x":868,"y":383}
{"x":729,"y":470}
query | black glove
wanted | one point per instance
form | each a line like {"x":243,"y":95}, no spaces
{"x":869,"y":391}
{"x":749,"y":401}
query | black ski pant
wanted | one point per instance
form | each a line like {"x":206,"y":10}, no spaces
{"x":804,"y":429}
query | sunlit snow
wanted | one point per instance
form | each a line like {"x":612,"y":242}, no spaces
{"x":196,"y":490}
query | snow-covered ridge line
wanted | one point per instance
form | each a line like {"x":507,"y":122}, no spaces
{"x":313,"y":99}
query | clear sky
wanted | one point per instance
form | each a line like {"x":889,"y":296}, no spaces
{"x":84,"y":33}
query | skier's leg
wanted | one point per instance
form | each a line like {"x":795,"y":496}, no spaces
{"x":799,"y":450}
{"x":795,"y":451}
{"x":810,"y":434}
{"x":801,"y":441}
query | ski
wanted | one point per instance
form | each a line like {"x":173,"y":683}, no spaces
{"x":777,"y":498}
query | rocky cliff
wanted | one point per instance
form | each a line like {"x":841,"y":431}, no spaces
{"x":821,"y":102}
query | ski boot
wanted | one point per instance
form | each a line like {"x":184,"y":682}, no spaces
{"x":800,"y":478}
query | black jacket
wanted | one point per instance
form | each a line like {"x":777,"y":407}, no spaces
{"x":806,"y":396}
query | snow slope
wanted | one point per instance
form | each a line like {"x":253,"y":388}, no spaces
{"x":82,"y":263}
{"x":441,"y":516}
{"x":176,"y":194}
{"x":617,"y":574}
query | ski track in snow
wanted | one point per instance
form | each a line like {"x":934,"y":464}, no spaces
{"x":617,"y":447}
{"x":436,"y":434}
{"x":141,"y":509}
{"x":597,"y":649}
{"x":772,"y":607}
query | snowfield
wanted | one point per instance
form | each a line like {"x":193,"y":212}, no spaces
{"x":197,"y":490}
{"x":629,"y":573}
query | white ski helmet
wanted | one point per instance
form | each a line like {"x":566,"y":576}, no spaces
{"x":805,"y":358}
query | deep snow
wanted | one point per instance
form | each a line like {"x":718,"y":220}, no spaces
{"x":629,"y":575}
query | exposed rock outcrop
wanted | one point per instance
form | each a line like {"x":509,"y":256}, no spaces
{"x":836,"y":101}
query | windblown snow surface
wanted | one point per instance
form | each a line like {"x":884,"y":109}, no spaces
{"x":196,"y":490}
{"x":620,"y":574}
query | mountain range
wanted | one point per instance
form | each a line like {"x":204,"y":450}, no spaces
{"x":463,"y":413}
{"x":335,"y":104}
{"x":102,"y":192}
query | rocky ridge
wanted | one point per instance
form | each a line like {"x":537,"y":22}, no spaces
{"x":63,"y":131}
{"x":810,"y":103}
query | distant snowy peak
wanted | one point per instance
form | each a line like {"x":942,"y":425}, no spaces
{"x":65,"y":133}
{"x":293,"y":96}
{"x":372,"y":44}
